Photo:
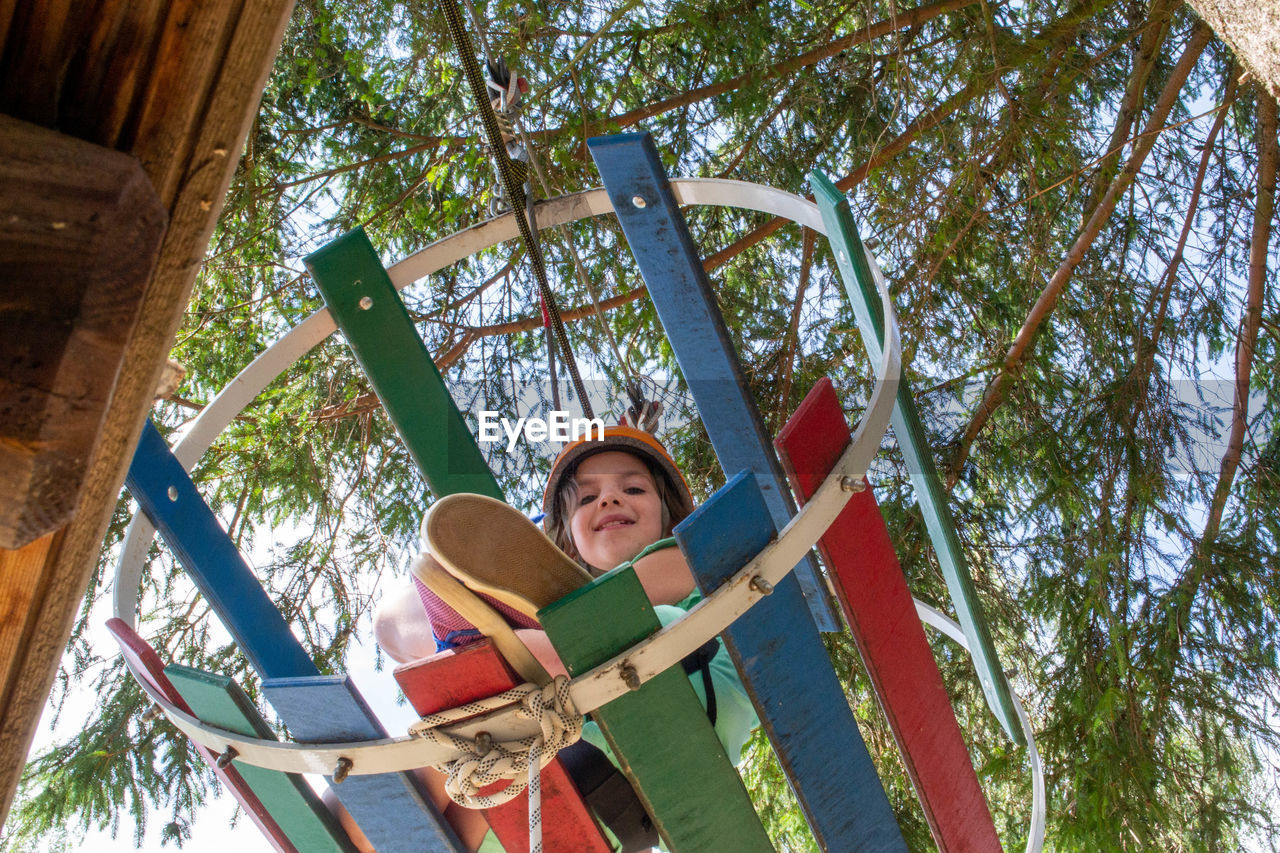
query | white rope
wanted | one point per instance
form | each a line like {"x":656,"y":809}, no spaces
{"x":483,"y":762}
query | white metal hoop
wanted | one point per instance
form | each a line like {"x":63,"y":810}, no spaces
{"x":648,"y":658}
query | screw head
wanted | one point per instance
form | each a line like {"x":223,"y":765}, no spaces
{"x":173,"y":493}
{"x":366,"y":302}
{"x":849,"y":484}
{"x":639,"y":201}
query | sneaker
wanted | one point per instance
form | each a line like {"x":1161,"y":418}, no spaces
{"x":469,"y":606}
{"x":493,"y":549}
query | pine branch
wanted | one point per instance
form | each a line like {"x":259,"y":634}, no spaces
{"x":791,"y":341}
{"x":903,"y":20}
{"x":1153,"y":35}
{"x":927,"y":121}
{"x":1263,"y":210}
{"x":1147,"y":348}
{"x":998,"y":388}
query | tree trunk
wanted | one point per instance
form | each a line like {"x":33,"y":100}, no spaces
{"x":1252,"y":29}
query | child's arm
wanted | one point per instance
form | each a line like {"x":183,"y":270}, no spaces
{"x":400,"y":624}
{"x":665,"y":576}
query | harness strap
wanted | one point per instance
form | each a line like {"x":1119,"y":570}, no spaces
{"x":700,"y":660}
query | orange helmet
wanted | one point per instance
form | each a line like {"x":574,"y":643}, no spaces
{"x":625,"y":438}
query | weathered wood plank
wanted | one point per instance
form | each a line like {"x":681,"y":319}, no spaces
{"x":787,"y":673}
{"x":148,"y":665}
{"x":220,"y":132}
{"x":194,"y":534}
{"x":860,"y":287}
{"x":393,"y":810}
{"x":36,"y":54}
{"x":659,"y":733}
{"x":192,"y":41}
{"x":100,"y":95}
{"x":303,"y":819}
{"x":659,"y":238}
{"x":476,"y":671}
{"x":372,"y":317}
{"x":20,"y":582}
{"x":882,"y":618}
{"x":80,"y":229}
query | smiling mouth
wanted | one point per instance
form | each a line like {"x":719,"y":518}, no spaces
{"x":614,"y":524}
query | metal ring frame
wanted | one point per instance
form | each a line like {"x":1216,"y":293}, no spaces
{"x":649,"y":657}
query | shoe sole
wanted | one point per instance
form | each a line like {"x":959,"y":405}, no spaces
{"x":492,"y":548}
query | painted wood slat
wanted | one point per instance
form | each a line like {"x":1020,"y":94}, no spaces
{"x":393,"y":809}
{"x":686,"y":305}
{"x":787,"y":673}
{"x":860,"y":287}
{"x":476,"y":671}
{"x":205,"y":550}
{"x":371,"y":315}
{"x":660,"y":733}
{"x":148,"y":665}
{"x":873,"y":593}
{"x":219,"y":701}
{"x":168,"y":497}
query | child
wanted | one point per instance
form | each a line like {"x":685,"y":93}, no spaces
{"x":608,"y":503}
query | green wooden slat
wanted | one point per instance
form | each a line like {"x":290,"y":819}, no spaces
{"x":368,"y":309}
{"x":219,"y":701}
{"x":861,"y":289}
{"x":659,"y":733}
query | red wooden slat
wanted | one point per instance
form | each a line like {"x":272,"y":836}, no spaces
{"x":148,"y":664}
{"x":476,"y":671}
{"x":877,"y":604}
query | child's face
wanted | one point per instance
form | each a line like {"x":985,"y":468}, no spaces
{"x":618,"y":509}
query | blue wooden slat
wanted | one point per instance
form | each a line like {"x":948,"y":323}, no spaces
{"x":197,"y":539}
{"x":788,"y":675}
{"x":389,"y":807}
{"x":860,"y":287}
{"x":686,"y":305}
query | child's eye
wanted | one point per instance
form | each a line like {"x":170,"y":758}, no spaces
{"x":635,"y":490}
{"x":585,"y":499}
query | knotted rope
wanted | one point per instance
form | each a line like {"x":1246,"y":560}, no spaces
{"x":519,"y":762}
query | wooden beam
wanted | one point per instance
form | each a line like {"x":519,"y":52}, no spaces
{"x":369,"y":311}
{"x":302,"y":819}
{"x":196,"y":537}
{"x":882,"y":617}
{"x":859,"y":284}
{"x":217,"y":131}
{"x":787,"y":673}
{"x":394,"y":810}
{"x":80,"y":227}
{"x":21,"y":585}
{"x":686,"y":304}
